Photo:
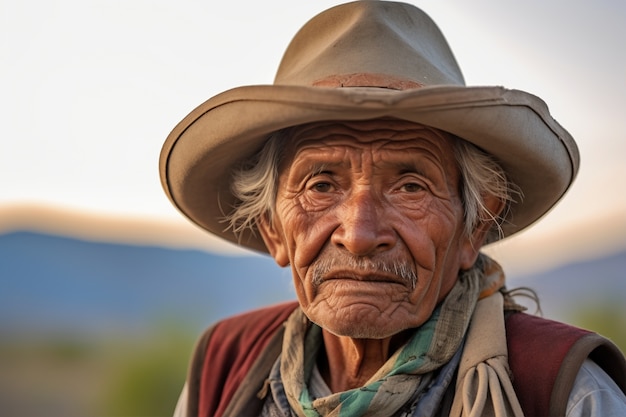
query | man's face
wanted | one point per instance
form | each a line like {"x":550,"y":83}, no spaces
{"x":368,"y":215}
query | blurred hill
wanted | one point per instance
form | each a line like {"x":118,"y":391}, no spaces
{"x":53,"y":283}
{"x":58,"y":284}
{"x":570,"y":289}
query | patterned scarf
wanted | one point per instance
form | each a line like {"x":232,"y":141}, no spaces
{"x":399,"y":380}
{"x":412,"y":370}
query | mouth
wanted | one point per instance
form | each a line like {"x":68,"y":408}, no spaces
{"x":363,"y":276}
{"x":364,"y":270}
{"x":357,"y":287}
{"x":369,"y":277}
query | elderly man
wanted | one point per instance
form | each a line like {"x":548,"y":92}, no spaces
{"x":376,"y":175}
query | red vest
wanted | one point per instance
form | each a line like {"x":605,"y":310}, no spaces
{"x":545,"y":357}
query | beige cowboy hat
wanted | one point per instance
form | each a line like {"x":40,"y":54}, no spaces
{"x":366,"y":60}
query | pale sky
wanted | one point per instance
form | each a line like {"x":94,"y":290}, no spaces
{"x":89,"y":90}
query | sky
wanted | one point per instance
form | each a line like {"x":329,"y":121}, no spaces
{"x":90,"y":89}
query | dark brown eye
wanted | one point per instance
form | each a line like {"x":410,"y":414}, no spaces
{"x":412,"y":187}
{"x":322,"y":187}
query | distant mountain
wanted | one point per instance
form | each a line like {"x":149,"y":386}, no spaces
{"x":579,"y":285}
{"x":52,"y":283}
{"x":57,"y":284}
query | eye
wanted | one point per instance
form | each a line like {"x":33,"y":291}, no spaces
{"x":322,"y":187}
{"x":412,"y":187}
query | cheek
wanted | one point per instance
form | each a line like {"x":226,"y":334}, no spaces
{"x":308,"y":234}
{"x":307,"y":239}
{"x":433,"y":239}
{"x":429,"y":233}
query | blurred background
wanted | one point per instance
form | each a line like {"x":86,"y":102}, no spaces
{"x":104,"y":287}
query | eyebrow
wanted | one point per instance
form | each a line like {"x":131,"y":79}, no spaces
{"x":323,"y":165}
{"x":317,"y":165}
{"x":406,"y":167}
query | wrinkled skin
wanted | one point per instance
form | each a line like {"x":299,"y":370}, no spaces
{"x":353,"y":198}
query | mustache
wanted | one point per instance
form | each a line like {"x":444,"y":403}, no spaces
{"x":402,"y":269}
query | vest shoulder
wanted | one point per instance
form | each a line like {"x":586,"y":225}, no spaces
{"x":258,"y":320}
{"x":226,"y":353}
{"x":545,"y":357}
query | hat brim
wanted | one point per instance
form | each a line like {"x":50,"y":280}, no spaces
{"x":515,"y":127}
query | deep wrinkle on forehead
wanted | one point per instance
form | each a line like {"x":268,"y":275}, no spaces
{"x":409,"y":148}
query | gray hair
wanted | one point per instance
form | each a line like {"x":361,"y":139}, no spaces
{"x":255,"y":185}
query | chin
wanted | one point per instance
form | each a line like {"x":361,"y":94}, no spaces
{"x":359,"y":329}
{"x":362,"y":320}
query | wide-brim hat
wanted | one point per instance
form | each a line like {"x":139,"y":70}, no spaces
{"x":357,"y":61}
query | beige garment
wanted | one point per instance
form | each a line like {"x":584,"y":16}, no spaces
{"x":483,"y":386}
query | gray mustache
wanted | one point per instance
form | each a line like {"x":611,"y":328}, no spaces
{"x":400,"y":268}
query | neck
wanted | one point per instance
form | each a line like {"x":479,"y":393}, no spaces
{"x":349,"y":363}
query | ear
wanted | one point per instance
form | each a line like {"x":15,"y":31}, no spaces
{"x":274,"y":241}
{"x":470,"y":246}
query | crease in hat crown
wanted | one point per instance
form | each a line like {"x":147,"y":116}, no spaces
{"x":348,"y":63}
{"x":369,"y":37}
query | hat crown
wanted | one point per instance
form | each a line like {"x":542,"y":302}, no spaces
{"x":370,"y":44}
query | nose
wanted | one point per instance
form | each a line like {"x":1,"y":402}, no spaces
{"x":364,"y":229}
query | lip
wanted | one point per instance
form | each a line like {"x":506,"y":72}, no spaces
{"x":363,"y":276}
